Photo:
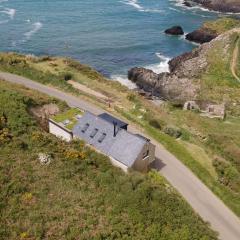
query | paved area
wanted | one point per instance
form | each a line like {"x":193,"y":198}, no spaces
{"x":202,"y":200}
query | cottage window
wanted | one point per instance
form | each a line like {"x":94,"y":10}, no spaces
{"x":100,"y":140}
{"x":94,"y":132}
{"x":86,"y":126}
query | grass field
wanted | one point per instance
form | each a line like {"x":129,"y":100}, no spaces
{"x":209,"y":147}
{"x":79,"y":194}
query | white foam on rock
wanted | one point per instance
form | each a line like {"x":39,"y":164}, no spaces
{"x":180,"y":3}
{"x":163,"y":66}
{"x":124,"y":81}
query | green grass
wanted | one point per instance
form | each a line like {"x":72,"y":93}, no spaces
{"x":68,"y":115}
{"x":79,"y":195}
{"x":219,"y":140}
{"x":231,"y":198}
{"x":222,"y":25}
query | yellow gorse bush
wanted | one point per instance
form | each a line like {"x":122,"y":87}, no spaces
{"x":73,"y":154}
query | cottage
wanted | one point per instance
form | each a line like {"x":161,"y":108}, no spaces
{"x":109,"y":135}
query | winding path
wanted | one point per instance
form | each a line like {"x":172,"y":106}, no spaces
{"x":202,"y":200}
{"x":234,"y":63}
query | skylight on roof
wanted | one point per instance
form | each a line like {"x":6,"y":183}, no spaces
{"x":86,"y":126}
{"x":100,"y":140}
{"x":94,"y":132}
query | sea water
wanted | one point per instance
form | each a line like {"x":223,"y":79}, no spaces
{"x":110,"y":35}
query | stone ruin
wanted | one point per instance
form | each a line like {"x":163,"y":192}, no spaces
{"x":209,"y":110}
{"x":191,"y":105}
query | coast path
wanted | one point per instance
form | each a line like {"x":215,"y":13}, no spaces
{"x":234,"y":63}
{"x":202,"y":200}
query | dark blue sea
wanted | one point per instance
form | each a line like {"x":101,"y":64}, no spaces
{"x":110,"y":35}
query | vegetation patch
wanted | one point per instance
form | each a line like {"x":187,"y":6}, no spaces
{"x":79,"y":194}
{"x":222,"y":25}
{"x":69,"y":118}
{"x":216,"y":138}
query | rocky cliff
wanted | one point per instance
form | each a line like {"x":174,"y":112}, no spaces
{"x":218,"y":5}
{"x":203,"y":73}
{"x":211,"y":29}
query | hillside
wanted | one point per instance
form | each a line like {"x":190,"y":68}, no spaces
{"x":78,"y":194}
{"x":206,"y":83}
{"x":209,"y":147}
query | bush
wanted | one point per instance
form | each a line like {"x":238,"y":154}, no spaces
{"x":67,"y":76}
{"x":173,"y":132}
{"x":155,"y":123}
{"x":227,"y":174}
{"x":132,"y":97}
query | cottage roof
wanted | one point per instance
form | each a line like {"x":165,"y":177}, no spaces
{"x":125,"y":147}
{"x":109,"y":118}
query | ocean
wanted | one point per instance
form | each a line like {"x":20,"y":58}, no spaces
{"x":110,"y":35}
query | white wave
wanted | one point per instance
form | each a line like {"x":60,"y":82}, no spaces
{"x":176,"y":10}
{"x":36,"y":27}
{"x":10,"y":12}
{"x":135,"y":4}
{"x":124,"y":81}
{"x":163,"y":66}
{"x":183,"y":38}
{"x":180,"y":3}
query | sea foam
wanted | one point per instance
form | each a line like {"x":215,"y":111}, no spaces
{"x":135,"y":4}
{"x":124,"y":81}
{"x":163,"y":66}
{"x":36,"y":27}
{"x":10,"y":12}
{"x":180,"y":3}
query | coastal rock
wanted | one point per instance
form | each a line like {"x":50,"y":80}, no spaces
{"x":164,"y":85}
{"x":211,"y":29}
{"x":187,"y":4}
{"x":185,"y":81}
{"x":217,"y":5}
{"x":201,"y":36}
{"x":175,"y":30}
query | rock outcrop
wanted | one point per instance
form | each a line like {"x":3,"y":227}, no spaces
{"x":176,"y":86}
{"x":211,"y":29}
{"x":201,"y":36}
{"x":217,"y":5}
{"x":183,"y":82}
{"x":175,"y":30}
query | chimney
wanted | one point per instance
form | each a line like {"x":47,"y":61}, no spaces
{"x":115,"y":129}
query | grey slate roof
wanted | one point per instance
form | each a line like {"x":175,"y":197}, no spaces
{"x":112,"y":119}
{"x":125,"y":147}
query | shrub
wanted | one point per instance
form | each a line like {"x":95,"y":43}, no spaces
{"x":173,"y":131}
{"x":227,"y":174}
{"x":155,"y":123}
{"x":67,"y":76}
{"x":132,"y":97}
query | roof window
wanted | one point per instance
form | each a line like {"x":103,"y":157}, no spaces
{"x":100,"y":140}
{"x":94,"y":132}
{"x":86,"y":126}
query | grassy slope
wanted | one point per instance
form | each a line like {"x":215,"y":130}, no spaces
{"x":211,"y":138}
{"x":221,"y":25}
{"x":79,"y":195}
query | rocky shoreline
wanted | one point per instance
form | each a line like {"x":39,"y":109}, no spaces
{"x":184,"y":81}
{"x":225,"y":6}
